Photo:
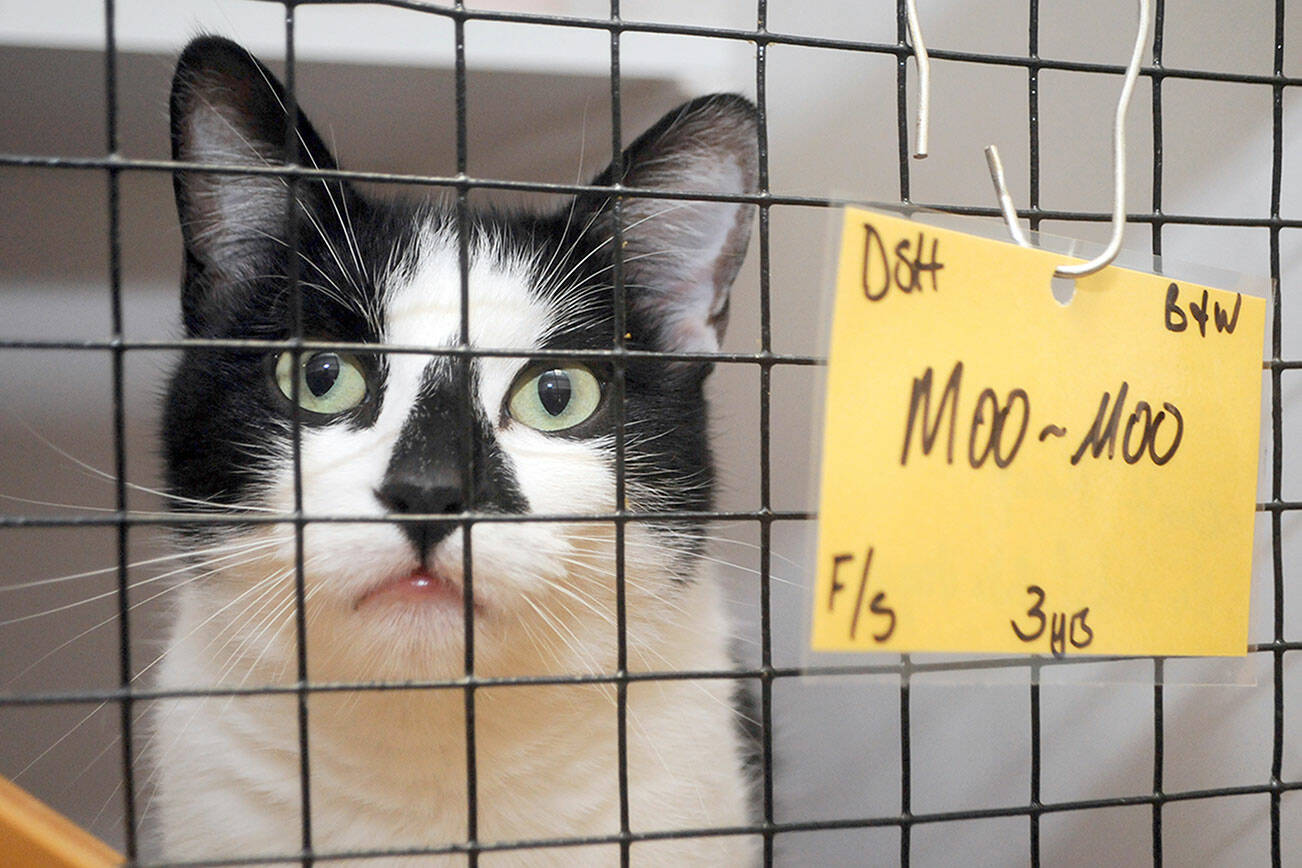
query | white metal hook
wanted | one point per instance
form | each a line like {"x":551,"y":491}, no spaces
{"x":923,"y":60}
{"x":1104,"y":259}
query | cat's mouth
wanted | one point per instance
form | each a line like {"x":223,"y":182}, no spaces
{"x":422,"y":586}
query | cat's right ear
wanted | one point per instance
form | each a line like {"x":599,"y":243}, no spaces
{"x":228,"y":109}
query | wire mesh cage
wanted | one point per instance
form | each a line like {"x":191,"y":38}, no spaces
{"x":890,"y":760}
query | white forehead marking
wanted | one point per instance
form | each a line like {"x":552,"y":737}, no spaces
{"x":423,"y":308}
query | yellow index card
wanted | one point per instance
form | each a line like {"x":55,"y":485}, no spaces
{"x":1004,"y":473}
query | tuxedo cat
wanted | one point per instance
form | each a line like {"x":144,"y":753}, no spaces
{"x":525,"y":431}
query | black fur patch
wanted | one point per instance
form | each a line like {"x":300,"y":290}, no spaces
{"x":441,"y":438}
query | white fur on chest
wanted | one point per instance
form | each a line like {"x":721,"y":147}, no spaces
{"x":388,"y":769}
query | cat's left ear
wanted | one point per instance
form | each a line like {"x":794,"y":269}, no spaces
{"x":227,"y":108}
{"x":681,"y":256}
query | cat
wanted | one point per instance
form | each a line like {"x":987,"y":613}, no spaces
{"x":392,"y":434}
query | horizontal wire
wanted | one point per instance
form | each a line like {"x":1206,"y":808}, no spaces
{"x":770,"y":37}
{"x":258,"y":345}
{"x":127,"y":164}
{"x":761,"y":198}
{"x":915,"y":668}
{"x":912,"y":819}
{"x":763,"y":359}
{"x":219,"y":519}
{"x":122,"y":164}
{"x":199,"y":519}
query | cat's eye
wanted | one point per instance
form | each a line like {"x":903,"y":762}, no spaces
{"x":328,"y":383}
{"x":554,"y":397}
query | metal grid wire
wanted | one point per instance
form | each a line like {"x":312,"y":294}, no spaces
{"x":123,"y":520}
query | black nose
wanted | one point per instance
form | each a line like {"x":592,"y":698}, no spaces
{"x":405,"y":495}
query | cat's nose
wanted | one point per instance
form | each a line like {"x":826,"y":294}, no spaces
{"x":412,"y":495}
{"x":406,"y":495}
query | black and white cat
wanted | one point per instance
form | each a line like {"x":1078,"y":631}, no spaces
{"x":388,"y":434}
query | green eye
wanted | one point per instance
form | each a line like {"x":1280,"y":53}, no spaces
{"x":328,"y":383}
{"x":554,"y":397}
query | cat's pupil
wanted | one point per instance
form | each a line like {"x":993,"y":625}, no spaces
{"x":554,"y":391}
{"x":320,"y":373}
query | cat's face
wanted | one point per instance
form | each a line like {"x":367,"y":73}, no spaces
{"x":397,"y":433}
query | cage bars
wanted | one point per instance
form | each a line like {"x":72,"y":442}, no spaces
{"x":618,"y":387}
{"x":766,"y":481}
{"x":468,"y":456}
{"x":769,"y":826}
{"x":1159,"y":665}
{"x":121,"y":517}
{"x":903,"y":52}
{"x":1277,"y":440}
{"x":292,"y":211}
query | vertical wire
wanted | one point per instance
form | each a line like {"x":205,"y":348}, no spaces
{"x":1277,"y":437}
{"x":126,"y":706}
{"x":902,"y":138}
{"x":766,"y":372}
{"x":906,"y":774}
{"x":621,"y":371}
{"x":1033,"y":133}
{"x":292,"y":155}
{"x":468,"y":449}
{"x":902,"y":54}
{"x":1159,"y":663}
{"x":1033,"y":109}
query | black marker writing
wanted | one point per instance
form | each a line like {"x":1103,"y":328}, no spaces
{"x":998,"y":418}
{"x":902,"y":268}
{"x":1177,"y":320}
{"x":921,"y":399}
{"x":996,"y":428}
{"x":989,"y":432}
{"x":1062,"y":629}
{"x":1107,"y":422}
{"x":876,"y":603}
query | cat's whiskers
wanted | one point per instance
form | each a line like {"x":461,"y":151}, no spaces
{"x":330,"y":245}
{"x":755,"y":546}
{"x":252,"y":152}
{"x":132,"y":585}
{"x":345,"y":220}
{"x":574,"y":594}
{"x":93,"y":711}
{"x":278,"y":610}
{"x":546,"y":280}
{"x":202,"y":574}
{"x":562,"y":632}
{"x":78,"y":506}
{"x":177,"y":555}
{"x":601,"y":573}
{"x":132,"y":607}
{"x":574,"y":201}
{"x":109,"y":477}
{"x":267,"y":586}
{"x":596,"y":574}
{"x":688,"y":537}
{"x":43,"y":754}
{"x":625,"y":228}
{"x":644,"y":654}
{"x":238,"y":629}
{"x":263,"y":587}
{"x":350,"y":236}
